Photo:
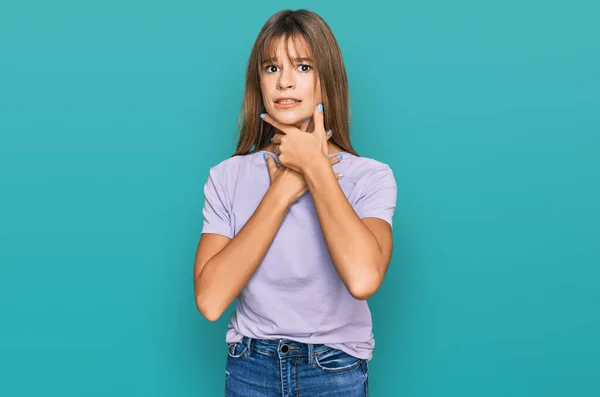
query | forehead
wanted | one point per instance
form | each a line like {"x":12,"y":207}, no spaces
{"x":282,"y":46}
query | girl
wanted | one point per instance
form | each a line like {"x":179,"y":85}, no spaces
{"x":297,"y":226}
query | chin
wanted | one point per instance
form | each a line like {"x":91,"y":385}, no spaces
{"x":288,"y":119}
{"x":292,"y":116}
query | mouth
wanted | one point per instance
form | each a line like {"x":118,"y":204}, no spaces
{"x":286,"y":103}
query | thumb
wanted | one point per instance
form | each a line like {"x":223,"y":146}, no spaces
{"x":271,"y":165}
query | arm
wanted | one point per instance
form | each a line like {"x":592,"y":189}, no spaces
{"x":223,"y":266}
{"x":360,"y":249}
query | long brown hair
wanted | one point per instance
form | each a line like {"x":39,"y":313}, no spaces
{"x":328,"y":64}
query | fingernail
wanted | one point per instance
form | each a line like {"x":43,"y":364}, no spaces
{"x":329,"y":132}
{"x":306,"y":121}
{"x":341,"y":174}
{"x":320,"y":108}
{"x":262,"y":115}
{"x":265,"y":156}
{"x":339,"y":156}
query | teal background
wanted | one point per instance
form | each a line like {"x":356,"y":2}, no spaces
{"x":112,"y":112}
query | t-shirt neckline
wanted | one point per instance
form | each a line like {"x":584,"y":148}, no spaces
{"x":276,"y":155}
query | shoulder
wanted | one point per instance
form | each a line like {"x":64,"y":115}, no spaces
{"x":365,"y":168}
{"x":231,"y":163}
{"x":374,"y":191}
{"x":239,"y":173}
{"x":230,"y":167}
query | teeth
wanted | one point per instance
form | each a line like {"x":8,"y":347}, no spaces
{"x":284,"y":101}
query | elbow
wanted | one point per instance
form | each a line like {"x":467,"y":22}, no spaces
{"x":364,"y":288}
{"x":209,"y":310}
{"x":361,"y":293}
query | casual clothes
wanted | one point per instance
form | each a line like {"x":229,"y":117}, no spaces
{"x":296,"y":293}
{"x":286,"y":368}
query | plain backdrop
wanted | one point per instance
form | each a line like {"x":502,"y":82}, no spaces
{"x":488,"y":112}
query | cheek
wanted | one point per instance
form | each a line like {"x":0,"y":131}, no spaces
{"x":266,"y":100}
{"x":264,"y":90}
{"x":318,"y":96}
{"x":268,"y":104}
{"x":308,"y":93}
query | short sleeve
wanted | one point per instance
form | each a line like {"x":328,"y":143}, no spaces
{"x":216,"y":210}
{"x":378,"y":196}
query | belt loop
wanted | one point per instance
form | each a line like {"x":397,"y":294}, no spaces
{"x":310,"y":354}
{"x":248,"y":340}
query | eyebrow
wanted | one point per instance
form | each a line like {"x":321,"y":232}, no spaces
{"x":274,"y":59}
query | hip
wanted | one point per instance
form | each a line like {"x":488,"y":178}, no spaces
{"x":286,"y":368}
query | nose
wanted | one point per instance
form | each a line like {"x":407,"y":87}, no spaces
{"x":286,"y":79}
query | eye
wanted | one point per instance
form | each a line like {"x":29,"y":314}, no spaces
{"x":301,"y":68}
{"x":307,"y":68}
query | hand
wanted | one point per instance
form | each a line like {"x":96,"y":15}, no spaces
{"x":296,"y":148}
{"x":290,"y":185}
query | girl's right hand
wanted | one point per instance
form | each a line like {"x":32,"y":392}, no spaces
{"x":290,"y":185}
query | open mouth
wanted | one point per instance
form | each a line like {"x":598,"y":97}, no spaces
{"x":287,"y":101}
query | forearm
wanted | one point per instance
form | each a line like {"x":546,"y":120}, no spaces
{"x":353,"y":248}
{"x":225,"y":275}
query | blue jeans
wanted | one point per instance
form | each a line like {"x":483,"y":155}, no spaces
{"x":285,"y":368}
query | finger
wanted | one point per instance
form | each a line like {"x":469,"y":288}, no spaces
{"x":319,"y":120}
{"x":328,"y":135}
{"x":336,"y":159}
{"x":281,"y":127}
{"x":276,"y":139}
{"x":304,"y":125}
{"x":271,"y":165}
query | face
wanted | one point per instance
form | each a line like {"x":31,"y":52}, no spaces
{"x":296,"y":80}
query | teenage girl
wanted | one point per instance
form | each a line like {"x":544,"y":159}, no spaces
{"x":297,"y":226}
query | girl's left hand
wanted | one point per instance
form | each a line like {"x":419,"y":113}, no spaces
{"x":299,"y":149}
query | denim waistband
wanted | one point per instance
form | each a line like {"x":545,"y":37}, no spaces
{"x":283,"y":347}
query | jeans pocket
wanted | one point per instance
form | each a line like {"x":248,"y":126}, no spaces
{"x":335,"y":360}
{"x":237,"y":350}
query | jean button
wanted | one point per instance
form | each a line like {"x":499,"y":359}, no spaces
{"x":284,"y":348}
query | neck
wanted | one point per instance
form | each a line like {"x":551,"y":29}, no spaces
{"x":332,"y":148}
